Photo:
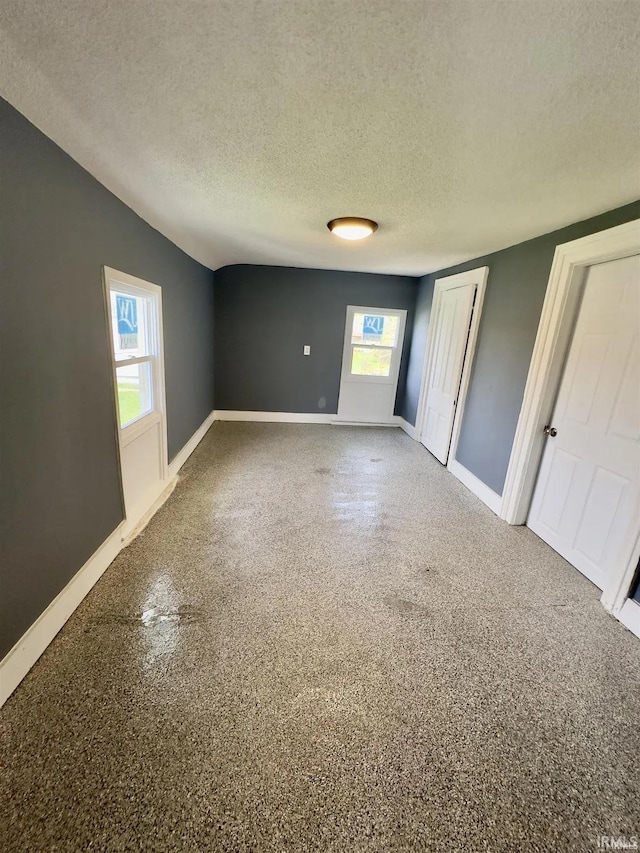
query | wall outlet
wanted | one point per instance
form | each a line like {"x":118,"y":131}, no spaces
{"x":307,"y":349}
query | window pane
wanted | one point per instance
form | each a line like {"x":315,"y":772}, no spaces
{"x":370,"y":361}
{"x":129,"y":325}
{"x":135,"y":396}
{"x":375,"y":330}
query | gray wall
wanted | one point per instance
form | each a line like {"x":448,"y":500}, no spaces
{"x":60,"y":485}
{"x":264,"y":317}
{"x":417,"y":351}
{"x":516,"y":287}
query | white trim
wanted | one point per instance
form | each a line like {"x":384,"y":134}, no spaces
{"x":477,"y":277}
{"x":17,"y":663}
{"x":139,"y":359}
{"x":408,"y":428}
{"x":182,"y":455}
{"x":554,"y":332}
{"x":305,"y":418}
{"x":629,"y":615}
{"x":347,"y":347}
{"x":139,"y":427}
{"x":308,"y":418}
{"x":19,"y":660}
{"x":479,"y":489}
{"x":134,"y":528}
{"x":273,"y":417}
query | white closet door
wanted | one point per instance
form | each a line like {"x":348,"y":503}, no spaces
{"x":451,"y":331}
{"x":587,"y":493}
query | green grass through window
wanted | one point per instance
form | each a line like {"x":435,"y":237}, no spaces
{"x":129,"y":401}
{"x":371,"y":361}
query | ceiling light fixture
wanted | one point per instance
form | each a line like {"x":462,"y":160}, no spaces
{"x":352,"y":227}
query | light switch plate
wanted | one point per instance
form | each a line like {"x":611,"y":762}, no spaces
{"x":307,"y":349}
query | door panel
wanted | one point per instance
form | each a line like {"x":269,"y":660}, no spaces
{"x":366,"y":403}
{"x":558,"y":487}
{"x":587,"y":494}
{"x":142,"y":471}
{"x":451,"y":332}
{"x":601,"y":507}
{"x":370,"y":364}
{"x":625,"y":420}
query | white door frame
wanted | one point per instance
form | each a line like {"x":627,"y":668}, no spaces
{"x":477,"y":277}
{"x":553,"y":339}
{"x":130,"y":433}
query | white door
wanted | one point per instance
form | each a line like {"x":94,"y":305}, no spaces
{"x":586,"y":498}
{"x":370,"y":364}
{"x":135,"y":311}
{"x":448,"y":347}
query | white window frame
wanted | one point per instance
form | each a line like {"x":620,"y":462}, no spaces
{"x":396,"y":352}
{"x":128,"y":284}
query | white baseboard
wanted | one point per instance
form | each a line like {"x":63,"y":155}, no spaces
{"x":304,"y":418}
{"x":337,"y":422}
{"x":129,"y":532}
{"x":182,"y":455}
{"x":273,"y":417}
{"x":408,"y":428}
{"x":19,"y":660}
{"x":629,"y":615}
{"x":479,"y":489}
{"x":17,"y":663}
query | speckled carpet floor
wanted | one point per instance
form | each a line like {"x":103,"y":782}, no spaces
{"x":324,"y":642}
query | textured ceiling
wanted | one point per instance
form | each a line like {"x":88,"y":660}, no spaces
{"x":238,"y":128}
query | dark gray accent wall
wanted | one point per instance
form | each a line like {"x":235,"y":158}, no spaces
{"x":516,"y":288}
{"x":60,"y":482}
{"x":265,"y":316}
{"x":415,"y":362}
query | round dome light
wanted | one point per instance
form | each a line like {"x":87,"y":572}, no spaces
{"x":352,"y":227}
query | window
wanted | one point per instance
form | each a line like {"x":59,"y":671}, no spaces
{"x":375,"y":329}
{"x":370,"y":361}
{"x":373,"y":339}
{"x":134,"y":351}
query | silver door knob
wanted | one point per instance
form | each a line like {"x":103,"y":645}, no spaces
{"x":552,"y":431}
